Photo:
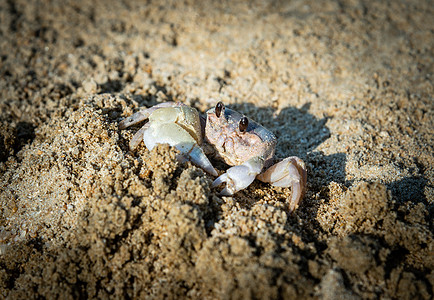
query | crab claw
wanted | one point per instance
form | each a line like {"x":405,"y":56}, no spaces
{"x":198,"y":157}
{"x":290,"y":172}
{"x":239,"y":177}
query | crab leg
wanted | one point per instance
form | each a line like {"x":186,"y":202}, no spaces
{"x":239,"y":177}
{"x":138,"y":137}
{"x":290,"y":172}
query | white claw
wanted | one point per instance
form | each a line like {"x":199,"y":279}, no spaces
{"x":226,"y":192}
{"x":171,"y":123}
{"x":221,"y":179}
{"x":199,"y":158}
{"x":239,"y":177}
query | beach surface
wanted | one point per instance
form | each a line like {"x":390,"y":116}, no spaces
{"x":347,"y":86}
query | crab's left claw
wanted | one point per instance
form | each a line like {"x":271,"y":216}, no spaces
{"x":290,"y":172}
{"x":239,"y":177}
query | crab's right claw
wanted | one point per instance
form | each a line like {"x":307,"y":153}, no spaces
{"x":198,"y":157}
{"x":290,"y":172}
{"x":239,"y":177}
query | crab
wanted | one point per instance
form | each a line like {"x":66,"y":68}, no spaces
{"x":228,"y":135}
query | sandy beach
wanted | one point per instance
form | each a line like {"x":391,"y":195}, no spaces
{"x":347,"y":86}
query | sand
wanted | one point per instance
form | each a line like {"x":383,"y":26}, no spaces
{"x":345,"y":85}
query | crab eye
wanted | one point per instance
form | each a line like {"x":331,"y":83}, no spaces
{"x":219,"y":108}
{"x":244,"y":122}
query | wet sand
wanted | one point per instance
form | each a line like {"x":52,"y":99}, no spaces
{"x":345,"y":85}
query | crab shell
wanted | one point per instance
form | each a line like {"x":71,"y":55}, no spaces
{"x":233,"y":146}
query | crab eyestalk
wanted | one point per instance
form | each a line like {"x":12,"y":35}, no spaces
{"x":219,"y":109}
{"x":244,"y":123}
